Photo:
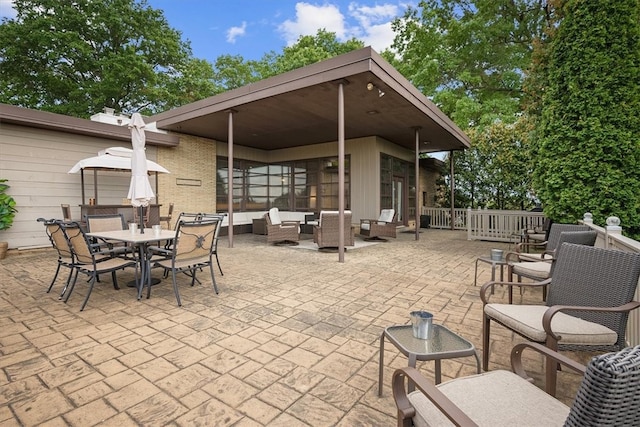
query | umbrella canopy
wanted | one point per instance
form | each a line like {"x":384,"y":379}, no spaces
{"x":113,"y":158}
{"x":140,"y":191}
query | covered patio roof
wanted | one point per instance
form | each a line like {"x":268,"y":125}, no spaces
{"x":301,"y":108}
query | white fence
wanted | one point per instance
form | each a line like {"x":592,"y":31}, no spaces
{"x":484,"y":224}
{"x":441,"y":218}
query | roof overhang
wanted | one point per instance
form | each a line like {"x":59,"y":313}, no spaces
{"x":58,"y":122}
{"x":301,"y":108}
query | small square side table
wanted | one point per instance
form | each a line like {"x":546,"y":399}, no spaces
{"x":445,"y":344}
{"x":494,"y":264}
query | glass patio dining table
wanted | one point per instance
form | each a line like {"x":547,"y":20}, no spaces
{"x":141,"y":241}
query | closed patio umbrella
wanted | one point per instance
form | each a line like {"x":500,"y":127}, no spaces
{"x":140,"y":191}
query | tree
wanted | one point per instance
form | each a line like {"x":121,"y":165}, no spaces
{"x":308,"y":50}
{"x":77,"y":57}
{"x":495,"y":172}
{"x":231,"y":72}
{"x":470,"y":56}
{"x":588,"y":154}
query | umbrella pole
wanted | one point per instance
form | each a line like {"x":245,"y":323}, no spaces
{"x":82,"y":184}
{"x":141,"y":216}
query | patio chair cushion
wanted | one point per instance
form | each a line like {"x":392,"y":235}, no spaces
{"x":538,"y":270}
{"x":527,"y":320}
{"x":496,"y":398}
{"x":274,"y":216}
{"x":386,"y":215}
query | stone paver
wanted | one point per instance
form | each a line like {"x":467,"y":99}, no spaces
{"x":291,"y":340}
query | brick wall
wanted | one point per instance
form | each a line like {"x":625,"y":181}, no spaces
{"x":191,"y":185}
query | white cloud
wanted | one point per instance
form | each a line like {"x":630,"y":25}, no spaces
{"x":379,"y":37}
{"x":371,"y":24}
{"x":234,"y":32}
{"x":311,"y":18}
{"x":7,"y":10}
{"x":374,"y":24}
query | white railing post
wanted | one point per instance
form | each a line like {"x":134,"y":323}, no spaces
{"x":587,"y":218}
{"x":613,"y":227}
{"x":469,"y":223}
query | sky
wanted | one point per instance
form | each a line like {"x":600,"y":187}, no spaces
{"x":251,"y":28}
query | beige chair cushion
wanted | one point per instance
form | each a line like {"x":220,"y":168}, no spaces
{"x":534,"y":270}
{"x":274,"y":216}
{"x":538,"y":237}
{"x":527,"y":320}
{"x":496,"y":398}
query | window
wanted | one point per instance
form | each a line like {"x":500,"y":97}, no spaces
{"x":302,"y":185}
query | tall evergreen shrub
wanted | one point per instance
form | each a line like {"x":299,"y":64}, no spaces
{"x":589,"y":147}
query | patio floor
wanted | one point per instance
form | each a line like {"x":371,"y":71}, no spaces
{"x":291,"y":340}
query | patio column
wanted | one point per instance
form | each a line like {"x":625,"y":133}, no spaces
{"x":230,"y":178}
{"x":417,"y":183}
{"x":341,"y":224}
{"x":453,"y":212}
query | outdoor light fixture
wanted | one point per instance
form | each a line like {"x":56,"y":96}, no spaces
{"x":370,"y":86}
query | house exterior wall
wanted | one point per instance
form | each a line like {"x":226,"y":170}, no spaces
{"x":36,"y":163}
{"x":191,"y":185}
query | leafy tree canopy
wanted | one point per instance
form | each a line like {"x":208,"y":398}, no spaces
{"x":77,"y":57}
{"x":495,"y":172}
{"x":233,"y":71}
{"x":470,"y":56}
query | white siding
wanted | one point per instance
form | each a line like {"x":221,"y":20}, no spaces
{"x":36,"y":162}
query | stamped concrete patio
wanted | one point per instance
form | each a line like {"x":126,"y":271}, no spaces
{"x":291,"y":340}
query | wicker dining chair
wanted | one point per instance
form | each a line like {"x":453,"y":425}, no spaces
{"x":587,"y":308}
{"x":606,"y":397}
{"x":547,"y":247}
{"x":542,"y":270}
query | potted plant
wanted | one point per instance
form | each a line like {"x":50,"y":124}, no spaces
{"x":7,"y":213}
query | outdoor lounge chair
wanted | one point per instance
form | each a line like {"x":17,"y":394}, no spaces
{"x":548,"y":246}
{"x":327,"y":233}
{"x":606,"y":396}
{"x":65,"y":256}
{"x":167,"y":218}
{"x":378,"y":229}
{"x":107,"y":222}
{"x":279,"y":231}
{"x":192,"y":250}
{"x":587,"y":306}
{"x":89,"y":259}
{"x":542,"y":270}
{"x":220,"y":217}
{"x":146,"y":211}
{"x":537,"y":234}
